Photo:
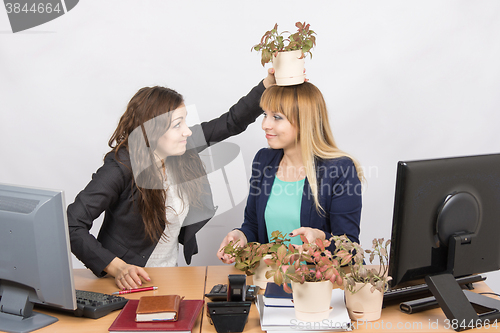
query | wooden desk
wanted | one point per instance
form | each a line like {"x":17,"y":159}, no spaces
{"x":392,"y":318}
{"x":427,"y":321}
{"x":186,"y":281}
{"x":193,"y":282}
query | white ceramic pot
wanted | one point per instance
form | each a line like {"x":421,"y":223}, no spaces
{"x":364,"y":305}
{"x":259,"y":278}
{"x":289,"y":68}
{"x":312,"y":300}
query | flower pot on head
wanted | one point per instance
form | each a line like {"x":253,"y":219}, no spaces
{"x":364,"y":305}
{"x":289,"y":68}
{"x":287,"y":52}
{"x":312,"y":300}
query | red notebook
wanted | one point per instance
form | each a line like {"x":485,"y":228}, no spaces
{"x":188,"y":313}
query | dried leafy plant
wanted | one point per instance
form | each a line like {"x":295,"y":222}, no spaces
{"x":352,"y":254}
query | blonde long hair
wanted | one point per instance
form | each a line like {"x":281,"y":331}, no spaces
{"x":305,"y":108}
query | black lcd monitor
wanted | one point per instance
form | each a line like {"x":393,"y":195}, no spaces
{"x":35,"y":257}
{"x":446,"y":224}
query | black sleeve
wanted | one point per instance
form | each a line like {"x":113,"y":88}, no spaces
{"x":102,"y":191}
{"x":233,"y":122}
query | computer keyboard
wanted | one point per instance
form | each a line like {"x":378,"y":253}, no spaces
{"x":398,"y":295}
{"x":96,"y":305}
{"x":91,"y":304}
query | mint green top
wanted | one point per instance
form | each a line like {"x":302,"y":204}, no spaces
{"x":283,"y":208}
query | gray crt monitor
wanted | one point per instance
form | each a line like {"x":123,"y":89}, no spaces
{"x":35,"y":257}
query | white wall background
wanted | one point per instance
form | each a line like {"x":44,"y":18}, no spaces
{"x":402,"y":80}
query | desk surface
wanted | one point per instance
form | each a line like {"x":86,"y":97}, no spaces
{"x":186,"y":281}
{"x":193,"y":282}
{"x":392,"y":318}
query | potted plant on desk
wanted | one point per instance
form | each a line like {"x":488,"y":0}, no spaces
{"x":287,"y":53}
{"x":249,"y":258}
{"x":364,"y":287}
{"x":311,"y":269}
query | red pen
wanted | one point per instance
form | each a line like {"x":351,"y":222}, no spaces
{"x":133,"y":290}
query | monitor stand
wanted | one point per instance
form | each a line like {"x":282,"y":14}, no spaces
{"x":464,"y":309}
{"x":16,"y":311}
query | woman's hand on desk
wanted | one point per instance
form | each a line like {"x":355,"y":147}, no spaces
{"x":234,"y":236}
{"x":126,"y":276}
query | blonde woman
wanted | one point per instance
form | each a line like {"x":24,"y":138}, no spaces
{"x":303,"y":184}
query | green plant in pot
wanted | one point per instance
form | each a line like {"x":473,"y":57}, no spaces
{"x":311,"y":270}
{"x":287,"y":52}
{"x":249,"y":258}
{"x":364,"y":286}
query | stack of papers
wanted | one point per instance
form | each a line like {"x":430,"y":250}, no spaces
{"x":282,"y":319}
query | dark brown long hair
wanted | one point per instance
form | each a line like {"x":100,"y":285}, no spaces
{"x":151,"y":106}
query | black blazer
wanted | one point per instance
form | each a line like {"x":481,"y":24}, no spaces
{"x":110,"y":191}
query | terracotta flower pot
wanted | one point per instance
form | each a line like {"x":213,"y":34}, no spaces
{"x":259,"y":278}
{"x":364,"y":305}
{"x":289,"y":68}
{"x":312,"y":300}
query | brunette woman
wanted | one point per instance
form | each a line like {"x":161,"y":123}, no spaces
{"x":152,"y":186}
